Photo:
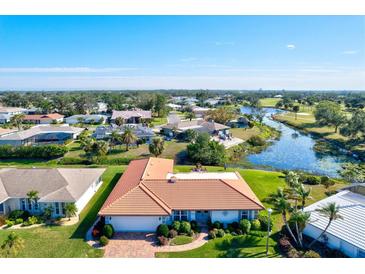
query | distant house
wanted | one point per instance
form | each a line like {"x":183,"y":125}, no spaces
{"x":142,"y":132}
{"x":198,"y":125}
{"x":7,"y":112}
{"x":200,"y":112}
{"x":41,"y":119}
{"x":149,"y":193}
{"x":240,"y":122}
{"x":174,"y":106}
{"x":56,"y":187}
{"x":86,"y":118}
{"x":347,"y":234}
{"x":212,"y":102}
{"x":102,"y":107}
{"x":136,"y":116}
{"x":41,"y":134}
{"x":278,"y":96}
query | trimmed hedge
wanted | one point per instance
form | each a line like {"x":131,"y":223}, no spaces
{"x":162,"y":230}
{"x":40,"y":152}
{"x":108,"y":231}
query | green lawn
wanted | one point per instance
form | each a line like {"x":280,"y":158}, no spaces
{"x":181,"y":240}
{"x":269,"y":102}
{"x":245,"y":133}
{"x":67,"y":241}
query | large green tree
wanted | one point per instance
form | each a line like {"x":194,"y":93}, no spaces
{"x":17,"y":120}
{"x":157,"y":146}
{"x":128,"y":137}
{"x":328,"y":113}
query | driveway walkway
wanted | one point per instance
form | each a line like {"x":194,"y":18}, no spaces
{"x":143,"y":245}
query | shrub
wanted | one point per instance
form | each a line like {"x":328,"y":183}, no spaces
{"x":264,"y":221}
{"x":311,"y":254}
{"x":42,"y":152}
{"x":25,"y":223}
{"x":326,"y":181}
{"x":19,"y":221}
{"x":191,"y":233}
{"x":2,"y":220}
{"x":256,"y":141}
{"x":172,"y":233}
{"x":258,"y":233}
{"x":176,"y":225}
{"x":235,"y":225}
{"x":32,"y":220}
{"x":220,"y":233}
{"x":217,"y":225}
{"x":212,"y":234}
{"x":16,"y":214}
{"x":311,"y":180}
{"x":284,"y":244}
{"x":255,"y":224}
{"x":194,"y":225}
{"x":9,"y":223}
{"x":185,"y":227}
{"x":245,"y":226}
{"x":163,"y":240}
{"x":162,"y":230}
{"x":103,"y":240}
{"x":73,"y":161}
{"x":108,"y":231}
{"x":293,"y":253}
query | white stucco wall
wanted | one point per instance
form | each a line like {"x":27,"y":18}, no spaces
{"x":85,"y":198}
{"x":225,"y":216}
{"x":134,"y":223}
{"x":11,"y":204}
{"x":333,"y":242}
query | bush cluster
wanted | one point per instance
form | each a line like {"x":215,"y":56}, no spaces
{"x":103,"y":240}
{"x":108,"y":231}
{"x":256,"y":141}
{"x":310,"y":179}
{"x":41,"y":152}
{"x":245,"y":226}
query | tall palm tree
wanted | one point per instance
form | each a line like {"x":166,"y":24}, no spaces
{"x":17,"y":120}
{"x":282,"y":206}
{"x":157,"y":146}
{"x":114,"y":138}
{"x":128,"y":137}
{"x":300,"y":219}
{"x":331,"y":211}
{"x":292,"y":179}
{"x":12,"y":245}
{"x":303,"y":194}
{"x":33,"y":197}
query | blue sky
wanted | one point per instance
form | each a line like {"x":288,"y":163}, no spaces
{"x":209,"y":52}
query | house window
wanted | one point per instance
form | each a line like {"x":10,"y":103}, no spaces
{"x":245,"y":214}
{"x":1,"y":207}
{"x":63,"y":207}
{"x":57,"y":208}
{"x":29,"y":205}
{"x":180,"y":215}
{"x":255,"y":213}
{"x":23,"y":204}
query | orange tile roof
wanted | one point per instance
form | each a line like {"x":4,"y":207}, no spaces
{"x":144,"y":190}
{"x":43,"y":116}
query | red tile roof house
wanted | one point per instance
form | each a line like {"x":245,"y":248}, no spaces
{"x":44,"y":118}
{"x":149,"y":194}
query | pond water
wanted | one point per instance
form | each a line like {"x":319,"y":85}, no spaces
{"x":294,"y":151}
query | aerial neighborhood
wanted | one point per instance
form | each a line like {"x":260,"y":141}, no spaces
{"x":183,"y":174}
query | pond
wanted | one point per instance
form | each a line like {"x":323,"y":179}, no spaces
{"x":294,"y":151}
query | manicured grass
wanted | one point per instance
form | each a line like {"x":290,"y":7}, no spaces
{"x":157,"y":121}
{"x":245,"y":133}
{"x":181,"y":240}
{"x":67,"y":241}
{"x":228,"y":247}
{"x":269,"y":102}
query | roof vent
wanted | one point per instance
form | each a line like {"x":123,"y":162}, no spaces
{"x":172,"y":180}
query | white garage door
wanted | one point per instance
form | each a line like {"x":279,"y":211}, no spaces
{"x":135,"y":223}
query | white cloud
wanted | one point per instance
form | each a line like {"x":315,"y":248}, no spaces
{"x":290,"y":46}
{"x":62,"y":69}
{"x":350,"y":52}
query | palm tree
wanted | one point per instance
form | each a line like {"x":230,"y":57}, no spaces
{"x":190,"y":115}
{"x":282,"y":205}
{"x":114,"y":138}
{"x":300,"y":219}
{"x":119,"y":121}
{"x":70,"y":210}
{"x":17,"y":120}
{"x":128,"y":137}
{"x":292,"y":179}
{"x":12,"y":245}
{"x":331,"y":211}
{"x":157,"y":146}
{"x":303,"y":194}
{"x":33,"y":197}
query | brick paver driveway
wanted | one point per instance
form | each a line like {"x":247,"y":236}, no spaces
{"x":143,"y":245}
{"x":131,"y":245}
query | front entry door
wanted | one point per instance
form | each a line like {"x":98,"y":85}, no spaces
{"x":202,"y":216}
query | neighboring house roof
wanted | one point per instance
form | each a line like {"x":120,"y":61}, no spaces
{"x":11,"y":109}
{"x":149,"y":187}
{"x":126,"y":114}
{"x":25,"y":134}
{"x":197,"y":124}
{"x":139,"y":130}
{"x":52,"y":184}
{"x":52,"y":116}
{"x":6,"y":130}
{"x":352,"y":208}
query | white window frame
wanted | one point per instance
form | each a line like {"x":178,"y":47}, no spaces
{"x":179,"y":215}
{"x":245,"y":214}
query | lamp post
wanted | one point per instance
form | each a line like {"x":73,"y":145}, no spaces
{"x":269,"y":211}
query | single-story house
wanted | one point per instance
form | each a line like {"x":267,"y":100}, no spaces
{"x":44,"y":118}
{"x":198,"y":125}
{"x":55,"y":186}
{"x":174,"y":106}
{"x":86,"y":118}
{"x":135,"y":116}
{"x":41,"y":134}
{"x":142,"y":132}
{"x":200,"y":111}
{"x":149,"y":193}
{"x":7,"y":112}
{"x":347,"y":234}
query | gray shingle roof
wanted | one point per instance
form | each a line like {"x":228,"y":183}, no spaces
{"x":126,"y":114}
{"x":53,"y":184}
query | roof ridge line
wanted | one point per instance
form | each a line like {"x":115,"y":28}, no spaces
{"x":145,"y":168}
{"x":65,"y":186}
{"x":241,"y":193}
{"x":155,"y":197}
